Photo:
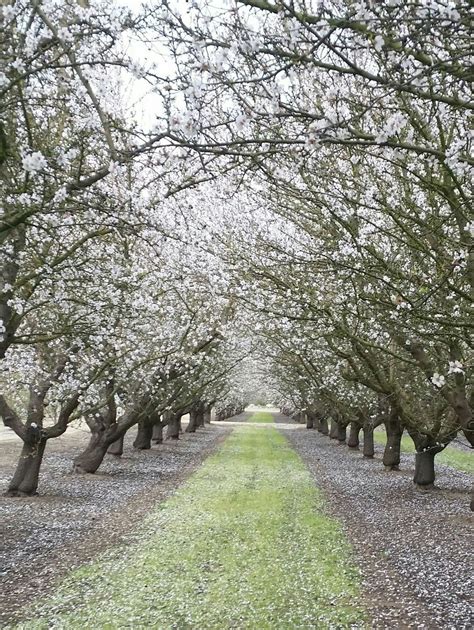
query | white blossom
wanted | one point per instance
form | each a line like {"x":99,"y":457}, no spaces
{"x":455,"y":367}
{"x":379,"y":42}
{"x":34,"y":162}
{"x":438,"y":380}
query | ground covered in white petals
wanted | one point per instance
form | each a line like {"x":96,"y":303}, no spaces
{"x":75,"y":517}
{"x":414,"y":548}
{"x":245,"y":543}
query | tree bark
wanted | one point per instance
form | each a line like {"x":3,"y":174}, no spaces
{"x":104,"y":431}
{"x":424,"y":468}
{"x":192,"y":425}
{"x":323,"y":426}
{"x":353,"y":441}
{"x":116,"y":448}
{"x":157,"y":435}
{"x":144,"y":435}
{"x":91,"y":458}
{"x":368,"y":449}
{"x":200,"y":417}
{"x":341,"y":434}
{"x":172,"y":432}
{"x":25,"y":479}
{"x":207,"y":416}
{"x":391,"y":455}
{"x":334,"y":430}
{"x":309,"y":421}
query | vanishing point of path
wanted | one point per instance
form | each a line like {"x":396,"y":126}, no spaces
{"x":249,"y":541}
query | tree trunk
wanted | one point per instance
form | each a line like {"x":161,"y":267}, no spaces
{"x":207,"y":416}
{"x":91,"y":458}
{"x":191,"y":428}
{"x":333,"y":433}
{"x":369,"y":449}
{"x":353,"y":441}
{"x":341,"y":434}
{"x":323,"y":426}
{"x":200,"y":418}
{"x":172,"y":432}
{"x":391,"y":455}
{"x":309,"y":421}
{"x":116,"y":448}
{"x":144,"y":435}
{"x":157,"y":434}
{"x":25,"y":479}
{"x":424,"y":468}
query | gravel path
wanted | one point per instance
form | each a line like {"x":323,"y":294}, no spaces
{"x":77,"y":516}
{"x":414,"y":548}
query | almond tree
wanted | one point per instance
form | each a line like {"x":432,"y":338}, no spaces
{"x":353,"y":121}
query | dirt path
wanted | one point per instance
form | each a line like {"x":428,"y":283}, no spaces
{"x":414,"y":548}
{"x":75,"y":517}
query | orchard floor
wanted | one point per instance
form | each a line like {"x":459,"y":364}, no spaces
{"x":414,"y":548}
{"x":409,"y":564}
{"x":76,"y":517}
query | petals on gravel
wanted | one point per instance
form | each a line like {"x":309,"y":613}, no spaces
{"x":77,"y":516}
{"x":414,"y":547}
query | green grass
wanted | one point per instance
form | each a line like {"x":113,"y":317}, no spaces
{"x":451,"y":456}
{"x":261,"y":416}
{"x":244,"y":543}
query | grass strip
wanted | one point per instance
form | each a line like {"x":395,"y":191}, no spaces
{"x":451,"y":456}
{"x":245,"y":543}
{"x":262,"y":416}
